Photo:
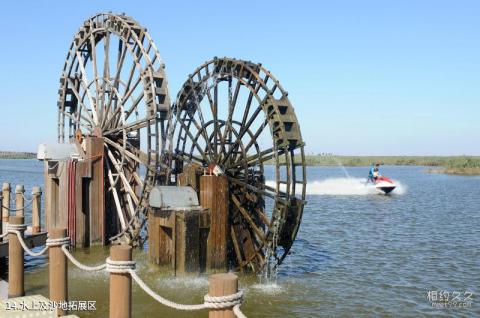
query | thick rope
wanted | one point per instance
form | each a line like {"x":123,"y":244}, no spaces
{"x":210,"y":302}
{"x":80,"y":265}
{"x":159,"y":298}
{"x":128,"y":267}
{"x":119,"y":267}
{"x":26,"y":199}
{"x":220,"y":302}
{"x":58,"y":241}
{"x":238,"y":312}
{"x":19,"y":209}
{"x":15,"y":227}
{"x":18,"y":229}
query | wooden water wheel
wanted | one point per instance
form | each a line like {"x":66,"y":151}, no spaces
{"x":234,"y":116}
{"x":113,"y":86}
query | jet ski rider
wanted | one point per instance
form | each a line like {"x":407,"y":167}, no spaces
{"x":374,"y":173}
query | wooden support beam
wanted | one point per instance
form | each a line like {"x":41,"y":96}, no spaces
{"x":1,"y":218}
{"x":176,"y":238}
{"x":214,"y":196}
{"x":36,"y":209}
{"x":19,"y":200}
{"x":95,"y":151}
{"x":224,"y":284}
{"x":16,"y":282}
{"x":6,"y":202}
{"x":120,"y":284}
{"x":58,"y":271}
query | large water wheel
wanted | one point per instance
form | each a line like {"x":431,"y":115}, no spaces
{"x":113,"y":86}
{"x":234,"y":116}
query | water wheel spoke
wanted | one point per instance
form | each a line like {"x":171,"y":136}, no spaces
{"x":119,"y":170}
{"x":93,"y":56}
{"x":133,"y":126}
{"x":115,"y":103}
{"x":243,"y":131}
{"x":115,"y":196}
{"x":262,"y":216}
{"x":187,"y":157}
{"x":256,"y":159}
{"x":236,"y":247}
{"x":215,"y":118}
{"x":80,"y":101}
{"x":134,"y":105}
{"x":120,"y":60}
{"x":258,"y":232}
{"x":128,"y":154}
{"x":78,"y":121}
{"x":84,"y":83}
{"x":271,"y":193}
{"x":129,"y":92}
{"x":237,"y":143}
{"x":201,"y":131}
{"x":194,"y":143}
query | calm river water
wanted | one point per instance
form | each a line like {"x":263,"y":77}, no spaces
{"x":358,"y":254}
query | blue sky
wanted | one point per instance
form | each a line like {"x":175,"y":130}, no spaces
{"x":365,"y":77}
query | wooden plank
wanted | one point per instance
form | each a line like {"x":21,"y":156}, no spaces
{"x":81,"y":203}
{"x":95,"y":152}
{"x":153,"y":237}
{"x":187,"y":242}
{"x":214,"y":195}
{"x":190,"y":176}
{"x":249,"y":219}
{"x":55,"y":174}
{"x":61,"y":213}
{"x":176,"y":239}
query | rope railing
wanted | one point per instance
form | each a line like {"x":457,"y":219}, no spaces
{"x":80,"y":265}
{"x":128,"y":267}
{"x":18,"y":230}
{"x":27,"y":199}
{"x":29,"y":203}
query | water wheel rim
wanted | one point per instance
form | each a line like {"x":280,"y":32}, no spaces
{"x":101,"y":107}
{"x":224,"y":70}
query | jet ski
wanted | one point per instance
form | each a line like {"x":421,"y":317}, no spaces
{"x":384,"y":184}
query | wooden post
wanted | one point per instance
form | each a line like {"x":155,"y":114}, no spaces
{"x":95,"y":151}
{"x":120,"y":284}
{"x":222,"y":285}
{"x":1,"y":218}
{"x":16,"y":287}
{"x":214,"y":195}
{"x":6,"y":202}
{"x":19,"y":200}
{"x":36,"y":209}
{"x":58,"y":270}
{"x":3,"y":260}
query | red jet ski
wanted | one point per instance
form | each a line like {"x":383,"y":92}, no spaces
{"x":384,"y":184}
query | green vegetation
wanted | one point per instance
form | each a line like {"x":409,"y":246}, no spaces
{"x":353,"y":161}
{"x":17,"y":155}
{"x":462,"y":165}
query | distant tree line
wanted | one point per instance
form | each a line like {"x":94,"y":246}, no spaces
{"x":17,"y":155}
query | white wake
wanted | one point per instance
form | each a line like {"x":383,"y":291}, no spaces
{"x":345,"y":186}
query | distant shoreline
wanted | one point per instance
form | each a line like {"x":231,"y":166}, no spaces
{"x":17,"y":155}
{"x":454,"y":165}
